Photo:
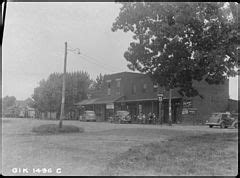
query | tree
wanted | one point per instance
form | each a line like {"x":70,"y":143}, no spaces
{"x":176,"y":43}
{"x":47,"y":96}
{"x":8,"y":101}
{"x":98,"y":83}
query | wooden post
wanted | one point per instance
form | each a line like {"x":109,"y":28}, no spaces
{"x":63,"y":87}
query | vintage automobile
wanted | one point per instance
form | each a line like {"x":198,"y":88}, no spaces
{"x":235,"y":116}
{"x":224,"y":120}
{"x":89,"y":116}
{"x":123,"y":117}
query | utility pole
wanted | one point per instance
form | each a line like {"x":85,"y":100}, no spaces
{"x":63,"y":88}
{"x":170,"y":107}
{"x":160,"y":99}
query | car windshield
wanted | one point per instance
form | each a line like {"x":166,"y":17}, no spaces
{"x":215,"y":117}
{"x":122,"y":113}
{"x":90,"y":113}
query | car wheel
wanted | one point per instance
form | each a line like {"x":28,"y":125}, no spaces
{"x":236,"y":125}
{"x":210,"y":126}
{"x":222,"y":125}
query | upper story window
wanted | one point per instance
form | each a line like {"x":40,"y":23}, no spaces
{"x":118,"y":82}
{"x":134,"y":89}
{"x":155,"y":87}
{"x":144,"y":88}
{"x":109,"y":87}
{"x":89,"y":96}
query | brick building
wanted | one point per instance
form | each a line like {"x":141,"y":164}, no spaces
{"x":137,"y":93}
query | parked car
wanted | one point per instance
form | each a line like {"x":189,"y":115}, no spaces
{"x":223,"y":120}
{"x":123,"y":117}
{"x":89,"y":116}
{"x":235,"y":116}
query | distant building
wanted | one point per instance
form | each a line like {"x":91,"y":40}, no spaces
{"x":12,"y":111}
{"x":20,"y":109}
{"x":137,"y":93}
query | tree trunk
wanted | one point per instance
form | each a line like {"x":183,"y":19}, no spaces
{"x":170,"y":108}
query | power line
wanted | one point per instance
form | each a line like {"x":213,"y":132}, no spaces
{"x":101,"y":59}
{"x":93,"y":62}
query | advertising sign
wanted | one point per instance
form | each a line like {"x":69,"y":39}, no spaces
{"x":110,"y":106}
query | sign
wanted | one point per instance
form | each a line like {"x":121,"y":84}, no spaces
{"x":110,"y":106}
{"x":160,"y":96}
{"x":184,"y":111}
{"x":192,"y":110}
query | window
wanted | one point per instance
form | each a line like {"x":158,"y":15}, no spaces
{"x":109,"y":87}
{"x":118,"y":82}
{"x":155,"y":87}
{"x":144,"y":88}
{"x":89,"y":96}
{"x":134,"y":89}
{"x":109,"y":91}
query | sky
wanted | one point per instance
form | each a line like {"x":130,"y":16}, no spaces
{"x":34,"y":37}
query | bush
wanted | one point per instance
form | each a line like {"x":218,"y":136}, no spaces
{"x":54,"y":129}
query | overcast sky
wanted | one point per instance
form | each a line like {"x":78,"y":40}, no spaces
{"x":34,"y":36}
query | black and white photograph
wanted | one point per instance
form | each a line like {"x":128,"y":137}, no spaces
{"x":119,"y":88}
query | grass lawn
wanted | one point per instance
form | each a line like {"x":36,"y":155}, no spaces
{"x":208,"y":154}
{"x":118,"y":149}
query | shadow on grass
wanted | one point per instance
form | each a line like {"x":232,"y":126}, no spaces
{"x":208,"y":154}
{"x":54,"y":129}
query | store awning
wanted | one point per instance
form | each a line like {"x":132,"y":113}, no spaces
{"x":102,"y":100}
{"x":86,"y":102}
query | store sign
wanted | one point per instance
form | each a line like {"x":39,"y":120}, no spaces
{"x":110,"y":106}
{"x":192,"y":110}
{"x":184,"y":111}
